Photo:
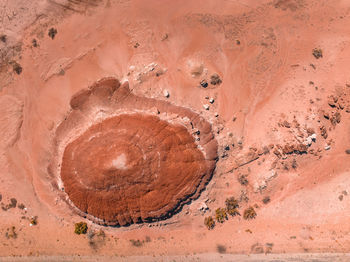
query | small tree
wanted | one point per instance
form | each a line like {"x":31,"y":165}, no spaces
{"x":209,"y":222}
{"x":220,"y":215}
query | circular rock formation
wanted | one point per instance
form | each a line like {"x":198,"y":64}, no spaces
{"x":141,"y":159}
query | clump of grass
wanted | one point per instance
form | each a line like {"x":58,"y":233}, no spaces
{"x":231,"y":206}
{"x":209,"y":222}
{"x":80,"y":228}
{"x":220,"y":215}
{"x":317,"y":53}
{"x":249,"y":213}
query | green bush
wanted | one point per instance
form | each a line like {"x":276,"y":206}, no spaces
{"x":80,"y":228}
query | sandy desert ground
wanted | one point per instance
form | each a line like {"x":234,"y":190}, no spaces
{"x":141,"y":118}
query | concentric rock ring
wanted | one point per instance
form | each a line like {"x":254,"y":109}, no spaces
{"x":125,"y":159}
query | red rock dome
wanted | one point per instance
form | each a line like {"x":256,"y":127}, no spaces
{"x":132,"y":165}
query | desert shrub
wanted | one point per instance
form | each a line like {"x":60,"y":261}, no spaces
{"x":21,"y":206}
{"x":13,"y":203}
{"x":231,"y":206}
{"x":249,"y":213}
{"x":209,"y":222}
{"x":11,"y":233}
{"x":17,"y":68}
{"x":317,"y":53}
{"x":80,"y":228}
{"x":136,"y":243}
{"x":52,"y":33}
{"x":220,"y":215}
{"x":215,"y":79}
{"x":242,"y":179}
{"x":266,"y":200}
{"x":3,"y":38}
{"x":221,"y":249}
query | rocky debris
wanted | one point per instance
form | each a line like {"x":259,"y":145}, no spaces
{"x":211,"y":100}
{"x":347,"y":151}
{"x":203,"y":207}
{"x":204,"y":83}
{"x":150,"y":70}
{"x":166,"y":93}
{"x":324,"y":132}
{"x":215,"y":79}
{"x":216,"y":114}
{"x":206,"y":107}
{"x":335,"y":119}
{"x":310,"y":131}
{"x":317,"y":53}
{"x":262,"y":182}
{"x":294,"y":148}
{"x":332,"y":101}
{"x":327,"y":147}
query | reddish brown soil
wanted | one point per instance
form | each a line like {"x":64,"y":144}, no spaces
{"x":277,"y":121}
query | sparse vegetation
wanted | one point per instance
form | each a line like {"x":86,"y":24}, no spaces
{"x":3,"y":38}
{"x":317,"y":53}
{"x":231,"y":206}
{"x":242,"y":179}
{"x":209,"y":222}
{"x":266,"y":200}
{"x":17,"y":68}
{"x":136,"y":243}
{"x":249,"y":213}
{"x":52,"y":33}
{"x":221,"y":249}
{"x":11,"y":233}
{"x":220,"y":215}
{"x":215,"y":79}
{"x":34,"y":42}
{"x":80,"y":228}
{"x":13,"y":203}
{"x":21,"y":206}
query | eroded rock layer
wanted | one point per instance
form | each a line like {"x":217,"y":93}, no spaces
{"x":128,"y":159}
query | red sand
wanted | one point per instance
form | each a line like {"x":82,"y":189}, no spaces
{"x":273,"y":97}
